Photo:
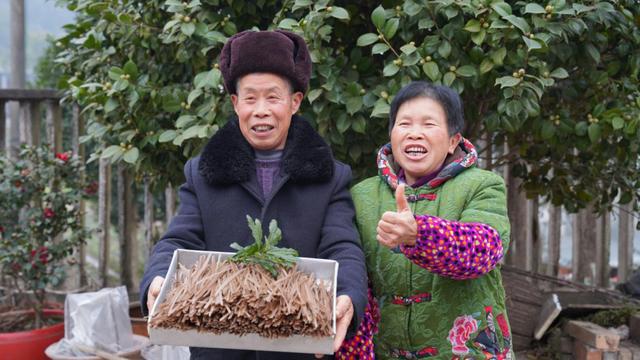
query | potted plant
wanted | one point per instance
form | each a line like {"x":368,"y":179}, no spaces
{"x":40,"y":227}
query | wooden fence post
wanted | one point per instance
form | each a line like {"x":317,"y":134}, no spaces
{"x":555,"y":234}
{"x":626,"y":226}
{"x":3,"y":126}
{"x":148,"y":218}
{"x":584,"y":246}
{"x":54,"y":125}
{"x":603,"y":243}
{"x":521,"y":237}
{"x":104,"y":212}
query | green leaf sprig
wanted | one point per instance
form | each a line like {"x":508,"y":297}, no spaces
{"x":265,"y":253}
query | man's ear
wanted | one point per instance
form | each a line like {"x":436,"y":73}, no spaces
{"x":234,"y":101}
{"x":296,"y":101}
{"x":453,"y":142}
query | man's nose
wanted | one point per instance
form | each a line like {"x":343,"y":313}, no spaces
{"x":261,"y":109}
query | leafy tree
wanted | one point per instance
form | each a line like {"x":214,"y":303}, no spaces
{"x":557,"y":82}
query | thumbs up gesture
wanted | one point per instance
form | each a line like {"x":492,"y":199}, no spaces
{"x":398,"y":227}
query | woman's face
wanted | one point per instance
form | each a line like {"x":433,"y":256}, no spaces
{"x":420,"y":138}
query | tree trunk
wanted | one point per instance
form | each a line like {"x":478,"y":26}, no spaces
{"x":78,"y":150}
{"x":521,"y":237}
{"x":584,"y":246}
{"x":126,"y":228}
{"x":18,"y":74}
{"x":104,"y":212}
{"x":170,"y":203}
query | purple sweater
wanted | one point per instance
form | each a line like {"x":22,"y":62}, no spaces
{"x":268,"y":168}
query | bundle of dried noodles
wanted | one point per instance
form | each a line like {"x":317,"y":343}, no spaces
{"x":242,"y":298}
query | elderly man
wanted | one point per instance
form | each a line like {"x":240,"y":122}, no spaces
{"x":270,"y":164}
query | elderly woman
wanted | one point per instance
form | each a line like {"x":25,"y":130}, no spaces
{"x":433,"y":228}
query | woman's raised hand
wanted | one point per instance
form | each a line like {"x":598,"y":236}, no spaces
{"x":398,"y":227}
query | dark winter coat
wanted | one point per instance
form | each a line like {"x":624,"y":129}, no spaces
{"x":310,"y":200}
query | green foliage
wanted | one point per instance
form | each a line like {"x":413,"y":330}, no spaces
{"x":557,"y":82}
{"x":40,"y":218}
{"x":613,"y":318}
{"x":265,"y":254}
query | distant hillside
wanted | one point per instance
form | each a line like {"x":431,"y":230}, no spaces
{"x":43,"y":18}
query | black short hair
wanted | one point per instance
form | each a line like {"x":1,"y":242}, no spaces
{"x":443,"y":95}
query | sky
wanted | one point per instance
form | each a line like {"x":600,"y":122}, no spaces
{"x":43,"y":18}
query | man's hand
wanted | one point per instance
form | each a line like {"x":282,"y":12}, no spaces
{"x":398,"y":227}
{"x":344,"y":314}
{"x":154,"y":291}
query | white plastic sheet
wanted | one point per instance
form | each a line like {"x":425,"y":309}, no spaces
{"x":98,"y":320}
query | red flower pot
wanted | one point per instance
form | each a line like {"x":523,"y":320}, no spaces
{"x":30,"y":345}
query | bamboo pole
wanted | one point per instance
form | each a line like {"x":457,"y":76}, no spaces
{"x":104,"y":212}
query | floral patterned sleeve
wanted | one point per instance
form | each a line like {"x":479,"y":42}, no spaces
{"x":454,"y":249}
{"x":360,"y":346}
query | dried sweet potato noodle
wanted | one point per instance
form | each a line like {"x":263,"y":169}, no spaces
{"x":239,"y":299}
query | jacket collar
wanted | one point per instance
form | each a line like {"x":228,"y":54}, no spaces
{"x":229,"y":159}
{"x":464,"y":157}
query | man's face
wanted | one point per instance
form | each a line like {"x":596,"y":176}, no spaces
{"x":264,"y":105}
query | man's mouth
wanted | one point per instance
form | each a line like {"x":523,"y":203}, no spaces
{"x":262,"y":128}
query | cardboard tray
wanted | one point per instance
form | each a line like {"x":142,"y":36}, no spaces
{"x":321,"y":268}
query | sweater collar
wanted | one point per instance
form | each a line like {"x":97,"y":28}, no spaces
{"x":229,"y":159}
{"x":463,"y":158}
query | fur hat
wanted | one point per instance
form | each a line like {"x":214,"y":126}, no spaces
{"x":280,"y":52}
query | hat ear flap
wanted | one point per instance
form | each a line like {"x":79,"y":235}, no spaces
{"x":302,"y":63}
{"x":225,"y":62}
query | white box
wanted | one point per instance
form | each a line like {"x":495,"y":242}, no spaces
{"x":322,"y":269}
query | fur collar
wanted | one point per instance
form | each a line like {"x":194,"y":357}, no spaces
{"x":229,"y":159}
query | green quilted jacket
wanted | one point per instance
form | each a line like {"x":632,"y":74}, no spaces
{"x":422,"y":314}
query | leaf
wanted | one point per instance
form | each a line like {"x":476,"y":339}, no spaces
{"x":131,"y":155}
{"x":473,"y":26}
{"x":381,"y":109}
{"x":167,"y":136}
{"x":448,"y":78}
{"x":120,"y":85}
{"x":207,"y":79}
{"x":486,"y":66}
{"x":113,"y":150}
{"x":184,"y":120}
{"x":499,"y":55}
{"x":581,"y":128}
{"x":559,"y":73}
{"x":193,"y":95}
{"x":431,"y":69}
{"x":378,"y":16}
{"x":390,"y":69}
{"x":466,"y":71}
{"x":531,"y":44}
{"x":518,"y":22}
{"x":339,"y":13}
{"x":408,"y":49}
{"x":367,"y":39}
{"x":287,"y":24}
{"x":594,"y":133}
{"x":343,"y":123}
{"x":115,"y":73}
{"x":593,"y":52}
{"x":131,"y":69}
{"x":188,"y":28}
{"x":301,"y":4}
{"x":533,"y":8}
{"x":507,"y":81}
{"x":502,"y":8}
{"x":379,"y":48}
{"x":478,"y":38}
{"x":256,"y":229}
{"x":354,"y":104}
{"x":548,"y":130}
{"x":111,"y":105}
{"x":391,"y":27}
{"x":444,"y":49}
{"x":314,"y":94}
{"x":617,"y":123}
